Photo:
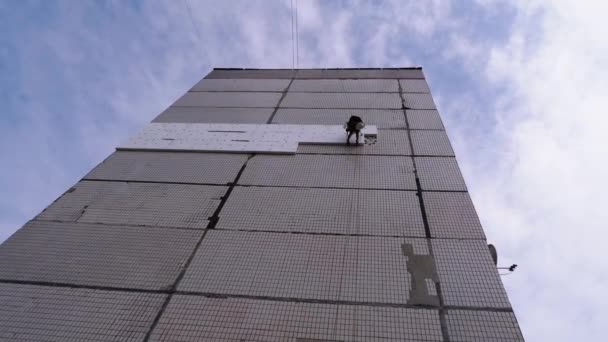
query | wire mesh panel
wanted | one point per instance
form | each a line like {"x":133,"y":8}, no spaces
{"x":201,"y":168}
{"x":452,"y":215}
{"x":431,"y":143}
{"x":334,"y":211}
{"x":382,"y":118}
{"x":241,"y":84}
{"x":43,"y":313}
{"x":482,"y":326}
{"x":371,"y":172}
{"x":376,"y":270}
{"x":97,"y":255}
{"x":196,"y":318}
{"x":414,"y":86}
{"x":418,"y":101}
{"x":229,"y":99}
{"x":341,"y":100}
{"x":215,"y":115}
{"x":359,"y":73}
{"x":344,"y":86}
{"x":438,"y":173}
{"x":372,"y":323}
{"x":171,"y":205}
{"x":356,"y":269}
{"x":424,"y":119}
{"x":251,"y":73}
{"x":468,"y":275}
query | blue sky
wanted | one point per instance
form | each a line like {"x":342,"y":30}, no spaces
{"x":520,"y":85}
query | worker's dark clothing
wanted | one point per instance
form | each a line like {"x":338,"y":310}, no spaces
{"x":353,"y":126}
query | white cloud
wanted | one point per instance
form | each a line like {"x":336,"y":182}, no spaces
{"x":542,"y":194}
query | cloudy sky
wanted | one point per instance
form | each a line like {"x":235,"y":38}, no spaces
{"x":521,"y":87}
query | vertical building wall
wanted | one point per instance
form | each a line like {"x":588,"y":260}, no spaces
{"x":377,"y":242}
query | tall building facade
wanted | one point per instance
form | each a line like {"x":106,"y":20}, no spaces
{"x":219,"y":223}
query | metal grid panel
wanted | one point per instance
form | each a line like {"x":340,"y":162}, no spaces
{"x":215,"y":115}
{"x":341,"y":100}
{"x":375,"y":172}
{"x":467,"y":274}
{"x":381,"y":118}
{"x":251,"y":73}
{"x":387,"y":142}
{"x":357,"y":269}
{"x":229,"y":99}
{"x":452,"y":215}
{"x":375,"y":270}
{"x":438,"y":173}
{"x":482,"y":326}
{"x":414,"y":86}
{"x":211,"y":168}
{"x":334,"y":211}
{"x":424,"y":119}
{"x":240,"y":84}
{"x":360,"y":73}
{"x":367,"y":323}
{"x":41,"y":313}
{"x":316,"y":73}
{"x":329,"y":74}
{"x":195,"y":318}
{"x":96,"y":255}
{"x":431,"y":143}
{"x":170,"y":205}
{"x":418,"y":101}
{"x":409,"y":73}
{"x":344,"y":86}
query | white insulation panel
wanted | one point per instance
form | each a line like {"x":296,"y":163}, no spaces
{"x":242,"y":138}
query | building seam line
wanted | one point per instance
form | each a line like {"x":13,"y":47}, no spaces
{"x":442,"y":318}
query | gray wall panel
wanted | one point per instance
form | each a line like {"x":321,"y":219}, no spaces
{"x":341,"y":100}
{"x":414,"y":86}
{"x":440,"y":173}
{"x":363,"y":212}
{"x":344,"y":86}
{"x":241,"y":84}
{"x":452,"y":215}
{"x":210,"y":168}
{"x":431,"y":143}
{"x":482,"y":326}
{"x":410,"y":73}
{"x":468,"y":275}
{"x":375,"y":172}
{"x":317,"y":73}
{"x":256,"y":74}
{"x":42,"y":313}
{"x":382,"y":118}
{"x":360,"y":73}
{"x":170,"y":205}
{"x":97,"y":255}
{"x":215,"y":115}
{"x":418,"y":101}
{"x":229,"y":99}
{"x":195,"y":318}
{"x":360,"y":269}
{"x":424,"y":119}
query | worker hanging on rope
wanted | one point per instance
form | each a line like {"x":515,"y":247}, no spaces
{"x":354,"y":125}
